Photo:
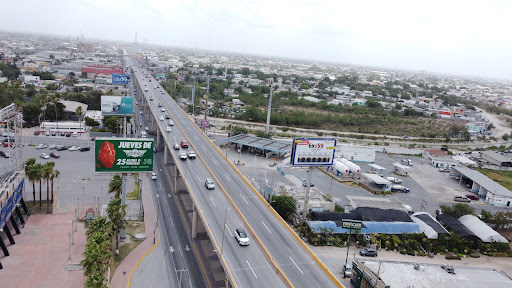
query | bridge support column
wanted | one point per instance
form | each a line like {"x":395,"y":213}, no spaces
{"x":24,"y":206}
{"x":9,"y":235}
{"x":158,"y":137}
{"x":18,"y":212}
{"x":14,"y":224}
{"x":166,"y":154}
{"x":4,"y":248}
{"x":194,"y":222}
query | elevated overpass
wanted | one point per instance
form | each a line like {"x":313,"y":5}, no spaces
{"x":276,"y":256}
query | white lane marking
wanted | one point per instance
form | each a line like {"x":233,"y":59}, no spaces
{"x":229,"y":230}
{"x":266,"y":227}
{"x":296,"y":265}
{"x":196,"y":137}
{"x":244,"y":199}
{"x":198,"y":179}
{"x":227,"y":177}
{"x":253,"y":270}
{"x":214,"y":162}
{"x":203,"y":147}
{"x":212,"y":201}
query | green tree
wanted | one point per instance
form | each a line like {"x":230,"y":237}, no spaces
{"x":458,"y":210}
{"x":505,"y":137}
{"x":51,"y":56}
{"x":31,"y":174}
{"x":55,"y":174}
{"x":91,"y":122}
{"x":79,"y":112}
{"x":47,"y":171}
{"x":116,"y":185}
{"x":284,"y":205}
{"x":38,"y":174}
{"x":111,"y":123}
{"x":31,"y":112}
{"x":116,"y":213}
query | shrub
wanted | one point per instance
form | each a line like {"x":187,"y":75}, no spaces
{"x":403,"y":252}
{"x":474,"y":255}
{"x":420,"y":253}
{"x":452,"y":256}
{"x":411,"y":252}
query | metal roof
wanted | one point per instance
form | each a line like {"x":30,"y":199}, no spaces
{"x":376,"y":166}
{"x":484,"y":181}
{"x":496,"y":156}
{"x":403,"y":167}
{"x":376,"y":179}
{"x":261,"y":143}
{"x":374,"y":202}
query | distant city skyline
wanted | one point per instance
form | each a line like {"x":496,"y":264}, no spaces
{"x":449,"y":37}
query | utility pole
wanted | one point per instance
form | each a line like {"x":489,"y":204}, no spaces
{"x":267,"y":127}
{"x":306,"y":199}
{"x":207,"y":94}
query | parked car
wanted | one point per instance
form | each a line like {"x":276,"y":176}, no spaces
{"x":191,"y":154}
{"x":347,"y":271}
{"x":93,"y":138}
{"x":153,"y":175}
{"x":461,"y":199}
{"x":394,"y":180}
{"x":44,"y":156}
{"x":54,"y":155}
{"x":407,"y":162}
{"x":241,"y":237}
{"x":370,"y":252}
{"x":47,"y":133}
{"x":4,"y":154}
{"x":305,"y":183}
{"x":183,"y":155}
{"x":41,"y":146}
{"x":54,"y":133}
{"x":209,"y":184}
{"x":472,"y":197}
{"x":176,"y":146}
{"x":399,"y":188}
{"x":83,"y":149}
{"x":68,"y":134}
{"x":184,"y":144}
{"x":74,"y":148}
{"x":444,"y":148}
{"x":61,"y":147}
{"x":36,"y":133}
{"x":444,"y":169}
{"x":53,"y":146}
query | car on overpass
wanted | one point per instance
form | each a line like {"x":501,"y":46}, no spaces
{"x":183,"y":155}
{"x":168,"y":129}
{"x":191,"y":154}
{"x":209,"y":184}
{"x":241,"y":237}
{"x":153,"y":176}
{"x":184,"y":144}
{"x":176,"y":146}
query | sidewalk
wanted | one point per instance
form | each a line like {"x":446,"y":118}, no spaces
{"x":145,"y":264}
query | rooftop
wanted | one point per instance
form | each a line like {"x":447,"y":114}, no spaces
{"x":261,"y":143}
{"x":495,"y":156}
{"x":373,"y":202}
{"x":376,"y":179}
{"x":484,"y":181}
{"x":403,"y":274}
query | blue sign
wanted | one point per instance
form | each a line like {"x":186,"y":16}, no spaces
{"x":121,"y":79}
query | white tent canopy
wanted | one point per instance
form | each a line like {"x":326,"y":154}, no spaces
{"x":428,"y":225}
{"x":481,"y":230}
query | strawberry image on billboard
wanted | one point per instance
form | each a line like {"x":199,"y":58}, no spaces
{"x":123,"y":155}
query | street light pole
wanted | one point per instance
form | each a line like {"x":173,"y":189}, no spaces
{"x":224,"y":233}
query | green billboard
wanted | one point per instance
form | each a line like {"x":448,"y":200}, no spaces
{"x":123,"y":155}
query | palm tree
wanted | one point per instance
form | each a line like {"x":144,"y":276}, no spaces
{"x":116,"y":185}
{"x":37,"y":169}
{"x":31,"y":175}
{"x":46,"y":174}
{"x":79,"y":112}
{"x":116,"y":213}
{"x":55,"y":100}
{"x":54,"y":175}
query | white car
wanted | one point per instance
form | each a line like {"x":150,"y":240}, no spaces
{"x":163,"y":109}
{"x":161,"y":118}
{"x":53,"y":147}
{"x":147,"y":128}
{"x":74,"y":148}
{"x":183,"y":155}
{"x":191,"y":154}
{"x":394,"y":180}
{"x":140,"y":112}
{"x":171,"y":123}
{"x":241,"y":237}
{"x":168,"y":129}
{"x":153,"y":175}
{"x":41,"y":146}
{"x":44,"y":156}
{"x":209,"y":184}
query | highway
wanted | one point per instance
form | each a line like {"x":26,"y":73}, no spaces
{"x":280,"y":259}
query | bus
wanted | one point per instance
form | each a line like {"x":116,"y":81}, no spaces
{"x":62,"y":127}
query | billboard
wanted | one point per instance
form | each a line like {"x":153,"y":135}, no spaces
{"x":123,"y":155}
{"x":116,"y":106}
{"x":121,"y":79}
{"x":313,"y":152}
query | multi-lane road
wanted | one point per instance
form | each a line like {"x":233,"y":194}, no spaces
{"x":275,"y":257}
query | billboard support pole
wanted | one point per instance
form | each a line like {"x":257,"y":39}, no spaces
{"x":123,"y":200}
{"x":124,"y":125}
{"x":306,"y":199}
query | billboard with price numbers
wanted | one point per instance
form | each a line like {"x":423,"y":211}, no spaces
{"x":121,"y":79}
{"x":123,"y":155}
{"x":313,"y":152}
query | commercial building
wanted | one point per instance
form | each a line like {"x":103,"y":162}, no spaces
{"x":496,"y":159}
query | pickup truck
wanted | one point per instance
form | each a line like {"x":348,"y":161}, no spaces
{"x":461,"y":199}
{"x":399,"y":188}
{"x":394,"y":180}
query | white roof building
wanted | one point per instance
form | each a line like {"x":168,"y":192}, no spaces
{"x":481,"y":230}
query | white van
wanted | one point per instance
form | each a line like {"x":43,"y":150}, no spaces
{"x":75,"y":134}
{"x":143,"y":134}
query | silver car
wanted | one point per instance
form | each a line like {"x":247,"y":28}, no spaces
{"x":209,"y":184}
{"x":44,"y":156}
{"x":241,"y":237}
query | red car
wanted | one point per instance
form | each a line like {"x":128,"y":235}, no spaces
{"x":4,"y":154}
{"x":472,"y":197}
{"x":184,"y":144}
{"x":54,"y":155}
{"x":176,"y":146}
{"x":36,"y":133}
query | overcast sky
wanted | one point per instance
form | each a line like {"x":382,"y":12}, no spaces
{"x":458,"y":37}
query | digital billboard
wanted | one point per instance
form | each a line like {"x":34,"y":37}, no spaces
{"x":116,"y":106}
{"x":123,"y":155}
{"x":121,"y":79}
{"x":313,"y":152}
